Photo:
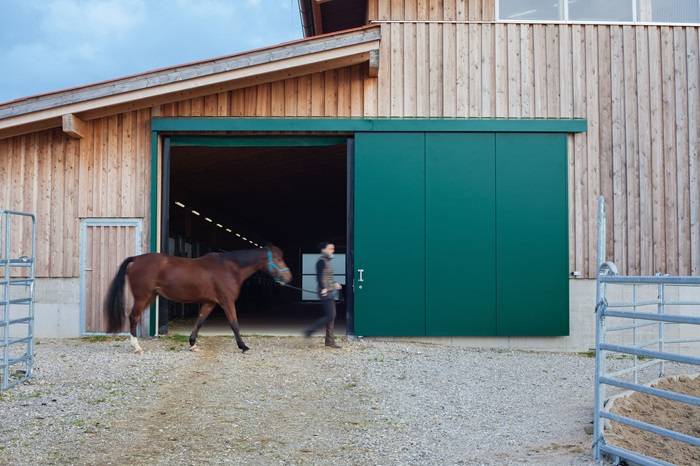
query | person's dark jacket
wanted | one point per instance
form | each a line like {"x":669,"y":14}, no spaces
{"x":324,"y":275}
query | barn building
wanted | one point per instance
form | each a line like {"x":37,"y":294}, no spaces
{"x":453,"y":150}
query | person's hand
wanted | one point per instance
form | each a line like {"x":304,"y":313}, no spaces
{"x":337,"y":286}
{"x":324,"y":292}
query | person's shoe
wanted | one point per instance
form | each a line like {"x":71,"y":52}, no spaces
{"x":332,"y":344}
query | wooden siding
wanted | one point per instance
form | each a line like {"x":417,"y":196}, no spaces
{"x":105,"y":174}
{"x":343,"y":92}
{"x":445,"y":10}
{"x":638,"y":87}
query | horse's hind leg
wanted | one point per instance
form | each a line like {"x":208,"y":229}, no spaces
{"x":204,"y":312}
{"x":134,"y":319}
{"x":229,"y":307}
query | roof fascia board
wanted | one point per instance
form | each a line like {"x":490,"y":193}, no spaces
{"x":329,"y":58}
{"x":313,"y":47}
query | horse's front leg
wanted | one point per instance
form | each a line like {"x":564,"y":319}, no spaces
{"x":204,"y":312}
{"x":229,"y":306}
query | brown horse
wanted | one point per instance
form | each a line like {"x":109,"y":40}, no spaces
{"x":212,"y":279}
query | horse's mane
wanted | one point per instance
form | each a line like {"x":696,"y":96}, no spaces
{"x":243,"y":257}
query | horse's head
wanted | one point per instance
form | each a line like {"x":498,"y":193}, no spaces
{"x":276,"y":265}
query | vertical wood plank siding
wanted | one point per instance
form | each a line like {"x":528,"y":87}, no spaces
{"x":638,"y":87}
{"x":446,"y":10}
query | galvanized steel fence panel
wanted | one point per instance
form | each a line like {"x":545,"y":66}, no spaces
{"x":17,"y":299}
{"x":629,"y":311}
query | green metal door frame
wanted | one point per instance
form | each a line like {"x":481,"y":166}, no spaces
{"x":233,"y":131}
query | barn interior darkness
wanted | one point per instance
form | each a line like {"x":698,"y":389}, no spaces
{"x":229,"y":198}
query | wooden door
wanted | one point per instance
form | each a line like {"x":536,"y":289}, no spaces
{"x":104,"y":244}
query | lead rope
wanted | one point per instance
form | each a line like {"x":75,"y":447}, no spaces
{"x":295,"y":287}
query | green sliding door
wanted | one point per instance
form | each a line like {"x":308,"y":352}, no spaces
{"x":461,"y":235}
{"x":389,"y":234}
{"x":532,"y":234}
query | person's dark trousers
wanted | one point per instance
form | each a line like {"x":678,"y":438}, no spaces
{"x":328,"y":320}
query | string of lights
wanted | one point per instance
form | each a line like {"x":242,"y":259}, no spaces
{"x":207,"y":219}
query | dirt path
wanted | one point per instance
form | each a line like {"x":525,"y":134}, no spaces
{"x":212,"y":414}
{"x":291,"y":401}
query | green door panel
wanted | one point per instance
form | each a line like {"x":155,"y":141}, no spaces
{"x":532,"y":234}
{"x":390,"y":234}
{"x":461,"y":234}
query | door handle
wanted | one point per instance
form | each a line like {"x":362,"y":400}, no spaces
{"x":360,"y":278}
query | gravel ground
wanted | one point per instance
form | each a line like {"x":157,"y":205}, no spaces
{"x":291,"y":401}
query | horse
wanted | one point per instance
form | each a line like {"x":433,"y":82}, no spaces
{"x":215,"y":278}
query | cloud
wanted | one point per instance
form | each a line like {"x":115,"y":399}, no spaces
{"x":52,"y":44}
{"x":91,"y":19}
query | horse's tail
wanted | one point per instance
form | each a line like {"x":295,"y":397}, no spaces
{"x":114,"y":303}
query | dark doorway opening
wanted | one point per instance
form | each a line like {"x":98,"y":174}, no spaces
{"x":226,"y":196}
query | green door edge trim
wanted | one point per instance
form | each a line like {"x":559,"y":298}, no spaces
{"x":351,"y":125}
{"x":256,"y":141}
{"x":173,"y":126}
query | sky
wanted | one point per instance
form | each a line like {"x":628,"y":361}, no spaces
{"x":48,"y":45}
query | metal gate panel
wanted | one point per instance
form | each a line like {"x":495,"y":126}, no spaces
{"x":461,"y":236}
{"x":390,"y":234}
{"x":17,"y":263}
{"x":532,"y":234}
{"x":104,"y":244}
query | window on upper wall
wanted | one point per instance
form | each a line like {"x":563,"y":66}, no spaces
{"x":524,"y":10}
{"x":600,"y":11}
{"x":670,"y":11}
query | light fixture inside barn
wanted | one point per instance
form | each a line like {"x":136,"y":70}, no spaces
{"x":228,"y":230}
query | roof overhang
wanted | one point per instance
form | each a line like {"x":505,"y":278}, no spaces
{"x":283,"y":61}
{"x":324,"y":16}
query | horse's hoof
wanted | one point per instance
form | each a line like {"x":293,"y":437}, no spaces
{"x":194,"y":348}
{"x":138,"y":351}
{"x":244,"y":348}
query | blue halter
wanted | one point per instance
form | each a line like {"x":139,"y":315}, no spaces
{"x":271,"y":266}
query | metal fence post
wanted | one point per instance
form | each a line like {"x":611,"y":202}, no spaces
{"x":661,"y":308}
{"x":599,"y":316}
{"x":32,"y":275}
{"x":6,"y":303}
{"x":634,"y":331}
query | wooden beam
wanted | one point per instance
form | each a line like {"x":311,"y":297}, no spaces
{"x":74,"y":126}
{"x":373,"y":63}
{"x":33,"y":127}
{"x":316,"y":13}
{"x":644,"y":11}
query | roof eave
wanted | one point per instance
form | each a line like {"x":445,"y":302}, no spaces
{"x":306,"y":15}
{"x":177,"y":83}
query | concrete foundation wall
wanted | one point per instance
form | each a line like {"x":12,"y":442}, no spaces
{"x":57,"y":307}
